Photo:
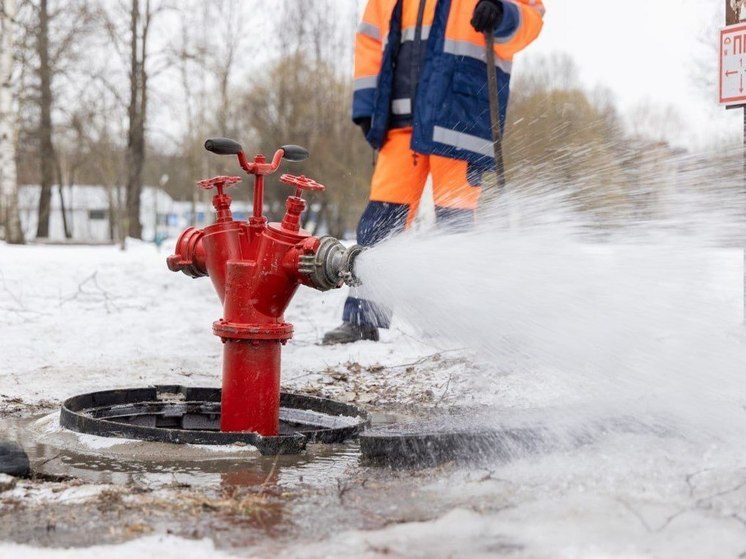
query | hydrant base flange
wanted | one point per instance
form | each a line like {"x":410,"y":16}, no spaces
{"x":281,"y":332}
{"x":191,"y":415}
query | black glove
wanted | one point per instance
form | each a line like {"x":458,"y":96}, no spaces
{"x":364,"y":124}
{"x":487,"y":15}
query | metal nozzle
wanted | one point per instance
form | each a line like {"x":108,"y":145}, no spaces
{"x":347,"y":269}
{"x":332,"y":265}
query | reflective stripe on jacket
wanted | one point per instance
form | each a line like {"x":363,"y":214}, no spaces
{"x":416,"y":21}
{"x":451,"y":106}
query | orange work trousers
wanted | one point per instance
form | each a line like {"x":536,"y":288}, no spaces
{"x":397,"y":185}
{"x":400,"y":176}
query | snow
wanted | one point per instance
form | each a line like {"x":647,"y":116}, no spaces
{"x":7,"y":482}
{"x":80,"y":319}
{"x":94,"y":442}
{"x":50,"y":425}
{"x":55,"y":493}
{"x":163,"y":547}
{"x":575,"y":505}
{"x":224,"y":448}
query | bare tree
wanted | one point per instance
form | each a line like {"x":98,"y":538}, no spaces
{"x":559,"y":137}
{"x":49,"y":50}
{"x":189,"y":56}
{"x":540,"y":73}
{"x":205,"y":65}
{"x":305,"y":98}
{"x":656,"y":122}
{"x":9,"y":216}
{"x":71,"y":158}
{"x":105,"y":151}
{"x":44,"y":131}
{"x":141,"y":17}
{"x":229,"y":18}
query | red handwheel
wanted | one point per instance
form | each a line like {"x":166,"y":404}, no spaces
{"x":219,"y":183}
{"x":302,"y":183}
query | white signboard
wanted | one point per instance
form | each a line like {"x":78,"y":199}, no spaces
{"x":733,"y":65}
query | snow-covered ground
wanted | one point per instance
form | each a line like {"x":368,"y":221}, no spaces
{"x":78,"y":319}
{"x":163,"y":547}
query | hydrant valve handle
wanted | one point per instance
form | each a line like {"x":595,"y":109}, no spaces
{"x":302,"y":183}
{"x":219,"y":183}
{"x":294,"y":153}
{"x":223,"y":146}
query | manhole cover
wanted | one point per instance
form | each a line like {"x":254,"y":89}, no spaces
{"x":180,"y":414}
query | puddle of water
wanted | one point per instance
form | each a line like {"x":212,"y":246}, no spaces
{"x":250,"y":500}
{"x":54,"y":451}
{"x":317,"y":466}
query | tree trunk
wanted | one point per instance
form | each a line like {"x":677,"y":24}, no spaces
{"x":46,"y":148}
{"x":135,"y":159}
{"x":9,"y":216}
{"x":113,"y":212}
{"x":122,"y":227}
{"x":60,"y":191}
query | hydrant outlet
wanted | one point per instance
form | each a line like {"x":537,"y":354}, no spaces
{"x":189,"y":256}
{"x":347,"y":271}
{"x":331,"y":265}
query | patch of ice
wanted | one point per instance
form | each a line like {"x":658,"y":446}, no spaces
{"x":322,"y":420}
{"x":97,"y":443}
{"x":80,"y":494}
{"x":452,"y":534}
{"x":163,"y":547}
{"x":49,"y":424}
{"x":53,"y":493}
{"x":583,"y":526}
{"x":227,"y":448}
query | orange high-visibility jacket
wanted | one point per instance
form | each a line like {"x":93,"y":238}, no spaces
{"x":450,"y":110}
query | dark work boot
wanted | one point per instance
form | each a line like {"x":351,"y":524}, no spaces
{"x":349,"y":332}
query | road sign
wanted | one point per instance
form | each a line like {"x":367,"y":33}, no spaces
{"x":733,"y":65}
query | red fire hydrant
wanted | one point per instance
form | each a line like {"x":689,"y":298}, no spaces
{"x":256,"y":268}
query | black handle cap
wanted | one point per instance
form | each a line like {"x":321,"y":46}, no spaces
{"x":223,"y":146}
{"x":295,"y":153}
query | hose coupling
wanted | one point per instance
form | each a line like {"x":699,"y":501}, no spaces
{"x":332,"y":265}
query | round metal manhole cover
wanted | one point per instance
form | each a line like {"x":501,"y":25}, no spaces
{"x":181,"y":415}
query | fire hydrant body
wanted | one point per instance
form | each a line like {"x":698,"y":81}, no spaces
{"x":256,"y":268}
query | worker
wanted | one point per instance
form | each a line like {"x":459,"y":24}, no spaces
{"x":421,"y":99}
